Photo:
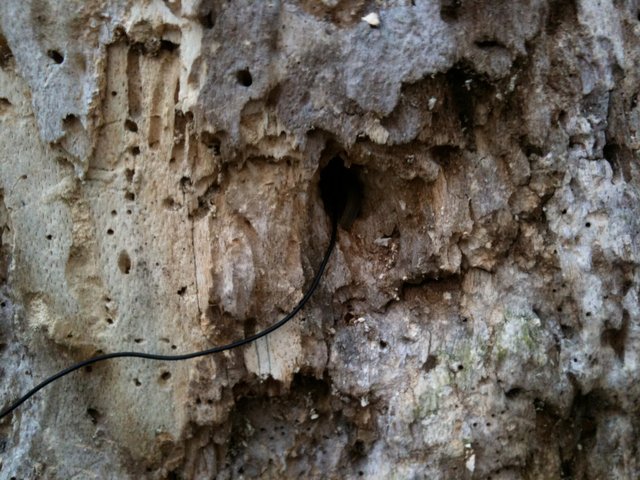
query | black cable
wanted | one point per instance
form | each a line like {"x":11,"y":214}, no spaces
{"x":187,"y":356}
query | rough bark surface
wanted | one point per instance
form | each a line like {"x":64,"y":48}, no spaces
{"x":159,"y":192}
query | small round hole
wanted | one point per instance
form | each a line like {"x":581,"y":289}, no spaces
{"x":588,"y":224}
{"x":131,"y":125}
{"x":109,"y":231}
{"x":137,"y":382}
{"x":49,"y":237}
{"x":244,"y":77}
{"x":135,"y":151}
{"x":129,"y":196}
{"x":56,"y":56}
{"x":164,"y":376}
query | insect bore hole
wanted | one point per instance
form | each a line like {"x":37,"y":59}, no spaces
{"x":341,"y":190}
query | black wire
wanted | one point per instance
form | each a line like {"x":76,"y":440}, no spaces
{"x":186,"y":356}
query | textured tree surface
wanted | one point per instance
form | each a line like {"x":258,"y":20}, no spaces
{"x":160,"y":193}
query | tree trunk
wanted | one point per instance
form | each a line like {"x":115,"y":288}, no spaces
{"x":160,"y":192}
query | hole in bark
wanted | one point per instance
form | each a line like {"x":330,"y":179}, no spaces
{"x":560,"y":12}
{"x":616,"y":338}
{"x":49,"y":237}
{"x":249,"y":327}
{"x":5,"y":52}
{"x":449,"y":9}
{"x":129,"y":196}
{"x":341,"y":191}
{"x":208,"y":20}
{"x":488,"y":44}
{"x":211,"y":141}
{"x":56,"y":56}
{"x":168,"y":45}
{"x":182,"y":291}
{"x":131,"y":125}
{"x":513,"y":393}
{"x":137,"y":382}
{"x":244,"y":77}
{"x":164,"y":376}
{"x":94,"y":415}
{"x":588,"y":224}
{"x":135,"y":151}
{"x":430,"y":364}
{"x":124,"y":262}
{"x":109,"y":231}
{"x":169,"y":203}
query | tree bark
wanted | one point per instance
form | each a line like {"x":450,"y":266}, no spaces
{"x":160,"y":192}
